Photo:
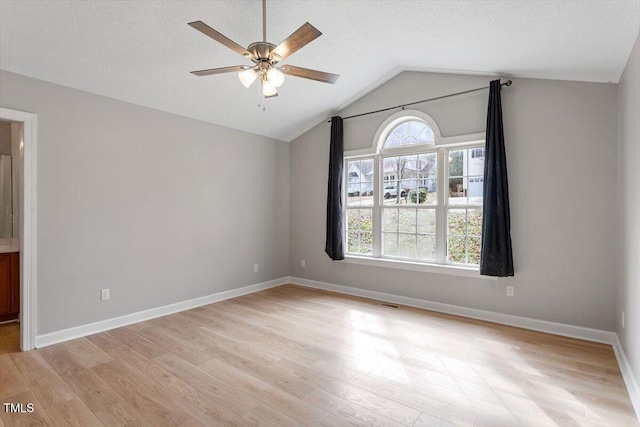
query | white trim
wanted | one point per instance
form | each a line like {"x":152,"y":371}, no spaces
{"x":362,"y":152}
{"x":579,"y":332}
{"x":415,"y":266}
{"x":28,"y":247}
{"x":140,"y":316}
{"x":471,"y":138}
{"x":627,"y":374}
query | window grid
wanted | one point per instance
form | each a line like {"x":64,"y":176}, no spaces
{"x":408,"y":241}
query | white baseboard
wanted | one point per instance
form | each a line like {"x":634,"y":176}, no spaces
{"x":116,"y":322}
{"x":579,"y":332}
{"x":490,"y":316}
{"x":630,"y":381}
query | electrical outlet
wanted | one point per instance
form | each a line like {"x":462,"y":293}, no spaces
{"x":104,"y":294}
{"x":255,"y":268}
{"x":303,"y":263}
{"x":510,"y":291}
{"x":622,"y":320}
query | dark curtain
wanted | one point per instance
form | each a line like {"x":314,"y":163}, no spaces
{"x":334,"y":247}
{"x":496,"y":258}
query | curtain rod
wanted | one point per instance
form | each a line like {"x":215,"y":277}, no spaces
{"x":507,"y":83}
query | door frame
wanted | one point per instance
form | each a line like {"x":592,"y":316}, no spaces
{"x":28,"y":241}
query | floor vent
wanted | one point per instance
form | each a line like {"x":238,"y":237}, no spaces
{"x":387,"y":305}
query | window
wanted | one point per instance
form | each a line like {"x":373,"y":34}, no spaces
{"x":414,"y":200}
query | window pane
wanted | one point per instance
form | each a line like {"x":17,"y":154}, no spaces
{"x":353,"y":241}
{"x":407,"y":221}
{"x":359,"y":231}
{"x":410,"y":179}
{"x":466,"y":170}
{"x":432,"y":192}
{"x":474,"y":192}
{"x":360,"y":182}
{"x":476,"y":164}
{"x":427,"y":247}
{"x":473,"y":246}
{"x":390,"y":247}
{"x":409,"y":133}
{"x":457,"y":222}
{"x":426,"y":221}
{"x":474,"y":222}
{"x":428,"y":165}
{"x":456,"y":163}
{"x":457,"y":191}
{"x":407,"y":245}
{"x":366,"y":242}
{"x":394,"y":170}
{"x":464,"y":228}
{"x":390,"y":220}
{"x":456,"y":249}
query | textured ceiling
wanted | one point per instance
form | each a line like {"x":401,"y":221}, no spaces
{"x":142,"y":51}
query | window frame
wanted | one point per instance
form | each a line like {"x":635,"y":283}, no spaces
{"x":441,"y":146}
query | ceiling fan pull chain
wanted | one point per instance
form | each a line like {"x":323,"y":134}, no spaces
{"x":261,"y":104}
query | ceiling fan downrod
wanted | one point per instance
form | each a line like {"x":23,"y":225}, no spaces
{"x":264,"y":21}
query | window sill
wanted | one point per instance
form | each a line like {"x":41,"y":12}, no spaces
{"x":414,"y":266}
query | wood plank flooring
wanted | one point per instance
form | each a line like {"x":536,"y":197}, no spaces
{"x":9,"y":337}
{"x":293,"y":356}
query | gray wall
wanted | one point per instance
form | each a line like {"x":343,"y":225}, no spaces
{"x":628,"y":251}
{"x":156,"y":207}
{"x":561,"y":139}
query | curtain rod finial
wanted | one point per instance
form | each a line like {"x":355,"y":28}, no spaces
{"x":508,"y":83}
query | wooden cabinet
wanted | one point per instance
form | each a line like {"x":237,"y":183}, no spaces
{"x":9,"y":286}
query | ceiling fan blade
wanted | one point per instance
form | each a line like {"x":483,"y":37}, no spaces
{"x":207,"y":30}
{"x":300,"y":37}
{"x":220,"y":70}
{"x":306,"y":73}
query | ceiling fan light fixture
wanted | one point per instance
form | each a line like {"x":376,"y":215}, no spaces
{"x":247,"y":77}
{"x":268,"y":89}
{"x":275,"y":77}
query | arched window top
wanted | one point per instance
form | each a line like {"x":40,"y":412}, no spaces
{"x":410,"y":132}
{"x":407,"y":129}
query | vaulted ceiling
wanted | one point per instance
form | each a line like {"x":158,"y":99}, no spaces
{"x":142,"y":51}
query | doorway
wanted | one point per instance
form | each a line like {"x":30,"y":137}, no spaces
{"x":18,"y":247}
{"x":10,"y":207}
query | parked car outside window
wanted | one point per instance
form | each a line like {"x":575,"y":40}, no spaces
{"x":392,"y":191}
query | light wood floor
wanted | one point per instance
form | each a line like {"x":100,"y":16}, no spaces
{"x":296,"y":356}
{"x":9,"y":338}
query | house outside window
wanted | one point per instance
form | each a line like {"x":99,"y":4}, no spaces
{"x":416,"y":198}
{"x":477,"y":152}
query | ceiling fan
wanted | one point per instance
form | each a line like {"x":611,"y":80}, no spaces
{"x":265,"y":56}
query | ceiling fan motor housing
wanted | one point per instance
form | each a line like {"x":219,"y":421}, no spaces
{"x":262,"y":52}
